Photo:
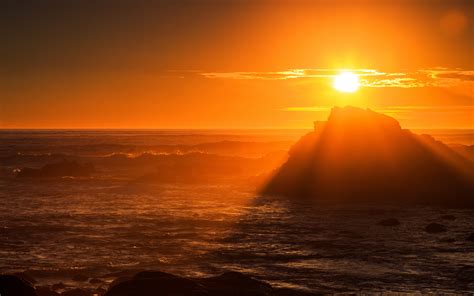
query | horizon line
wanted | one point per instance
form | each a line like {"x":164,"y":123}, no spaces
{"x":197,"y":129}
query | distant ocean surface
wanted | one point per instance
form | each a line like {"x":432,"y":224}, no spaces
{"x":113,"y":221}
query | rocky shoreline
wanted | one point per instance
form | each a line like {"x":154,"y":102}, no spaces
{"x":148,"y":283}
{"x":136,"y":282}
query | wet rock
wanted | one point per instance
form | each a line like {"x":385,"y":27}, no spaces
{"x":291,"y":292}
{"x":11,"y":285}
{"x":76,"y":292}
{"x":80,"y":278}
{"x":389,"y":222}
{"x":448,"y":217}
{"x":235,"y":283}
{"x":26,"y":277}
{"x":150,"y":283}
{"x":46,"y":291}
{"x":470,"y":237}
{"x":435,"y":228}
{"x":119,"y":280}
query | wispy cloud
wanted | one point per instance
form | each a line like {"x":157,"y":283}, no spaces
{"x":401,"y":82}
{"x":288,"y":74}
{"x":386,"y":109}
{"x":436,"y":77}
{"x":448,"y":77}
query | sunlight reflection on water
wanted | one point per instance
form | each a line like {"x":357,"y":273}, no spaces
{"x":203,"y":230}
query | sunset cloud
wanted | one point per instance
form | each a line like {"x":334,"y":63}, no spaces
{"x":437,"y":77}
{"x":289,"y":74}
{"x":387,"y":109}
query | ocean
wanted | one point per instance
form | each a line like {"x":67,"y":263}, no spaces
{"x":187,"y":202}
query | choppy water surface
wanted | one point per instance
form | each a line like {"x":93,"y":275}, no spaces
{"x":196,"y":230}
{"x":95,"y":226}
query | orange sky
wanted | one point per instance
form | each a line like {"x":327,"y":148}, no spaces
{"x":233,"y":64}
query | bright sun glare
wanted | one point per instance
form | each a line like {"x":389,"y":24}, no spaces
{"x":346,"y":82}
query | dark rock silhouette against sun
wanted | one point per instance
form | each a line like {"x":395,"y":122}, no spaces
{"x":361,"y":155}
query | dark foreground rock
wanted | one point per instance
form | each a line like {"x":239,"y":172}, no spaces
{"x":46,"y":291}
{"x":389,"y":222}
{"x":150,"y":283}
{"x":11,"y":285}
{"x":76,"y":292}
{"x":435,"y":228}
{"x":156,"y":283}
{"x":235,"y":283}
{"x":25,"y":276}
{"x":291,"y":292}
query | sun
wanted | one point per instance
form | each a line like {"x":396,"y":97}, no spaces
{"x":346,"y":82}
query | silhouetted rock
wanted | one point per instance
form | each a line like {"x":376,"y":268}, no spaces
{"x":361,"y":155}
{"x":119,"y":280}
{"x":464,"y":150}
{"x":291,"y":292}
{"x":235,"y":283}
{"x":59,"y":169}
{"x":435,"y":228}
{"x":76,"y":292}
{"x":470,"y":237}
{"x":448,"y":217}
{"x":156,"y":283}
{"x":389,"y":222}
{"x":46,"y":291}
{"x":229,"y":284}
{"x":27,"y":277}
{"x":121,"y":276}
{"x":11,"y":285}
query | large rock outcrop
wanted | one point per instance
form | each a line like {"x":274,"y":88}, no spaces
{"x":361,"y":155}
{"x":11,"y":285}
